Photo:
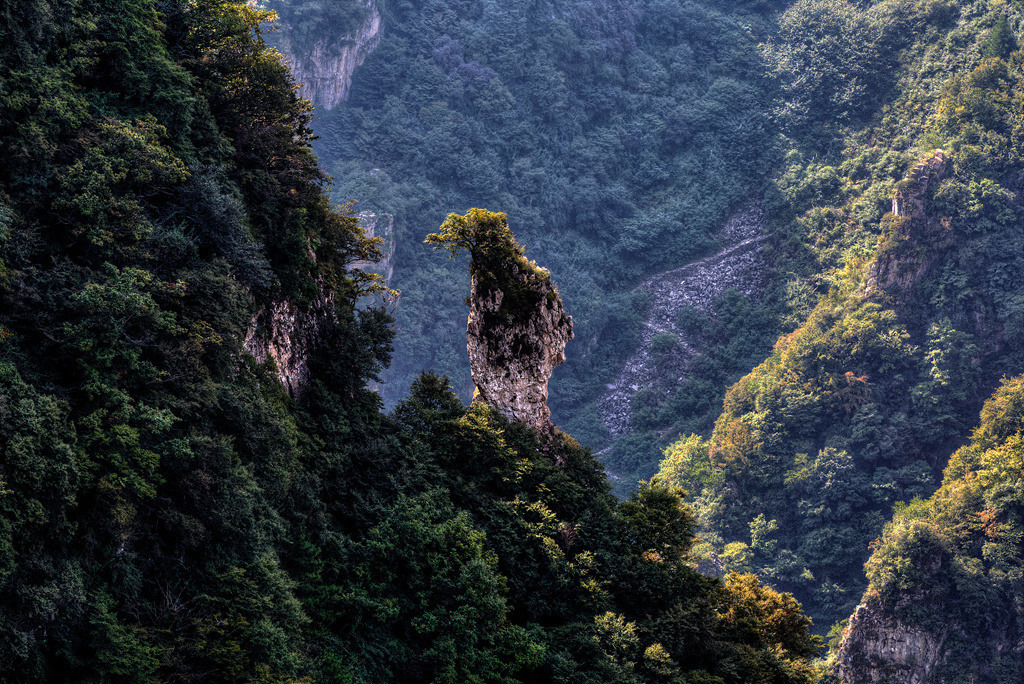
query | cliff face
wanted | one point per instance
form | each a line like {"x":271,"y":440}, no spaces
{"x":913,"y":237}
{"x":878,"y":648}
{"x":908,"y":200}
{"x":514,"y":349}
{"x":325,"y":72}
{"x":283,"y":332}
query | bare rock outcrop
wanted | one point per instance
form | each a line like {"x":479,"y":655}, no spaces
{"x":517,"y":328}
{"x":879,"y":648}
{"x":325,"y":71}
{"x":912,"y":238}
{"x":908,"y":200}
{"x":514,"y":346}
{"x":287,"y":334}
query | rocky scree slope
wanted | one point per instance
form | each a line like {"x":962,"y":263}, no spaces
{"x":697,"y":285}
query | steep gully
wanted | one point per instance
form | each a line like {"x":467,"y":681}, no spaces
{"x":697,"y":285}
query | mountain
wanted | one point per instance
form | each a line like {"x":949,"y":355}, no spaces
{"x":197,"y":482}
{"x":945,"y":574}
{"x":862,"y":214}
{"x":200,"y":481}
{"x":911,"y":218}
{"x":618,"y":137}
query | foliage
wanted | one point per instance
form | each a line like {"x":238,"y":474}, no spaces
{"x":146,"y":465}
{"x":953,"y":561}
{"x":485,"y":236}
{"x":903,"y":323}
{"x":732,"y":340}
{"x":309,"y":22}
{"x":168,"y":511}
{"x":497,"y":261}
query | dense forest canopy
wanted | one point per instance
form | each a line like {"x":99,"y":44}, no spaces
{"x":959,"y":551}
{"x":172,"y":510}
{"x":909,"y":224}
{"x":200,"y":482}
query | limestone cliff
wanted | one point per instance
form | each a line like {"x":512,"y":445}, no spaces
{"x":908,"y":199}
{"x":325,"y":71}
{"x":287,"y":334}
{"x":912,"y":237}
{"x":282,"y":331}
{"x":879,"y":648}
{"x":514,"y":347}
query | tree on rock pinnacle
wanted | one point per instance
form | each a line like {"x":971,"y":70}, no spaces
{"x":517,"y":328}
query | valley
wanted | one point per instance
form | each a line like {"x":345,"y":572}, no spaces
{"x":589,"y":341}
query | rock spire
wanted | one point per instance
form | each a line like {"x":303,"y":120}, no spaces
{"x":911,"y":238}
{"x":517,"y":328}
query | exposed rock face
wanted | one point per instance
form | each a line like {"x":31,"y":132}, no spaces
{"x":878,"y":648}
{"x":901,"y":263}
{"x":908,"y":200}
{"x":382,"y":226}
{"x":325,"y":73}
{"x":696,"y":285}
{"x":512,"y":353}
{"x":286,"y":334}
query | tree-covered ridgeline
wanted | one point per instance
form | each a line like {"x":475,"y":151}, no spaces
{"x":914,"y":317}
{"x":168,"y":512}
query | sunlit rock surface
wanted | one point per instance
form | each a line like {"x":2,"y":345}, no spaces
{"x":512,"y":356}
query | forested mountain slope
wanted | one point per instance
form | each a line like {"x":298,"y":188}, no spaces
{"x":947,"y":571}
{"x":172,"y":509}
{"x":910,"y":220}
{"x":627,"y":134}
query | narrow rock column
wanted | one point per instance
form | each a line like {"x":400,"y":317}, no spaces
{"x":512,"y":352}
{"x":912,"y":238}
{"x":517,"y":328}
